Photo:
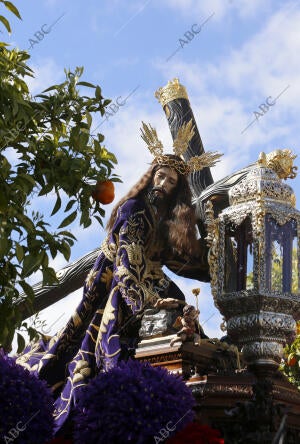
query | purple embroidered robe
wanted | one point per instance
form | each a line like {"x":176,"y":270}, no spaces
{"x":127,"y":277}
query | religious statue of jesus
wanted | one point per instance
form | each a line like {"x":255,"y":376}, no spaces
{"x":152,"y":226}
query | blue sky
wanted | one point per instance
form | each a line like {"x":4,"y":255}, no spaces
{"x":244,"y":53}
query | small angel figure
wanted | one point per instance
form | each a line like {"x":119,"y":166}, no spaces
{"x":190,"y":328}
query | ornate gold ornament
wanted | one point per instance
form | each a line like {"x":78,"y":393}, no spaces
{"x":172,"y":91}
{"x":262,"y":183}
{"x":82,"y":370}
{"x":280,"y":161}
{"x":180,"y":144}
{"x":212,"y":240}
{"x":91,"y":277}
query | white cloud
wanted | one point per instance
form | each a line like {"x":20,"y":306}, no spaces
{"x":221,"y":8}
{"x":123,"y":15}
{"x":133,"y":6}
{"x":46,"y":73}
{"x":246,"y":9}
{"x":196,"y":8}
{"x":52,"y":3}
{"x":125,"y":61}
{"x":265,"y":64}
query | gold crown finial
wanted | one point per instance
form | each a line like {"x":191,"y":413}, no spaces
{"x":280,"y":161}
{"x":173,"y":90}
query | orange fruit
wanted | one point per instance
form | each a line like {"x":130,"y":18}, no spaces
{"x":104,"y":192}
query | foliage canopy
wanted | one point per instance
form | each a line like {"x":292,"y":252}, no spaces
{"x":47,"y":149}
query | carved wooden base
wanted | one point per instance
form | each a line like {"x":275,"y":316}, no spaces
{"x":211,"y":370}
{"x":189,"y":360}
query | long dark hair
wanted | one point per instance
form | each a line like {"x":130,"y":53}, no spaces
{"x":180,"y":219}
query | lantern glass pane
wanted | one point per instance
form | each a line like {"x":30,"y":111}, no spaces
{"x":231,"y":254}
{"x":281,"y":256}
{"x":249,"y":276}
{"x":276,"y":266}
{"x":239,"y":257}
{"x":295,"y":267}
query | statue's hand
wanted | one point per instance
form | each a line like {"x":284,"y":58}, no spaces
{"x":166,"y":303}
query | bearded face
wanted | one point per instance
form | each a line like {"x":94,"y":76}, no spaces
{"x":163,"y":184}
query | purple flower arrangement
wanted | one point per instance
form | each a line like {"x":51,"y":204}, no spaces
{"x":26,"y":405}
{"x":133,"y":402}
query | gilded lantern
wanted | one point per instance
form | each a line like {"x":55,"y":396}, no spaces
{"x":254,"y":260}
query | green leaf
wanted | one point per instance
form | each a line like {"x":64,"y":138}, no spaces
{"x":101,"y":211}
{"x":98,"y":93}
{"x":65,"y":249}
{"x":28,"y":178}
{"x":27,"y":289}
{"x":46,"y":189}
{"x":67,"y":234}
{"x":12,"y":9}
{"x":99,"y":220}
{"x":21,"y":343}
{"x":53,"y":250}
{"x":3,"y":202}
{"x":45,"y":260}
{"x":51,"y":88}
{"x":68,"y":220}
{"x":31,"y":263}
{"x":57,"y":205}
{"x":90,"y":85}
{"x":5,"y":23}
{"x":4,"y":247}
{"x":89,"y":119}
{"x":49,"y":276}
{"x":70,"y":204}
{"x":85,"y":221}
{"x":26,"y":222}
{"x":24,"y":182}
{"x":19,"y":252}
{"x":106,"y":102}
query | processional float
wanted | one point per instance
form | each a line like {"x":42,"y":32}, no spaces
{"x":252,"y":227}
{"x":253,"y":230}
